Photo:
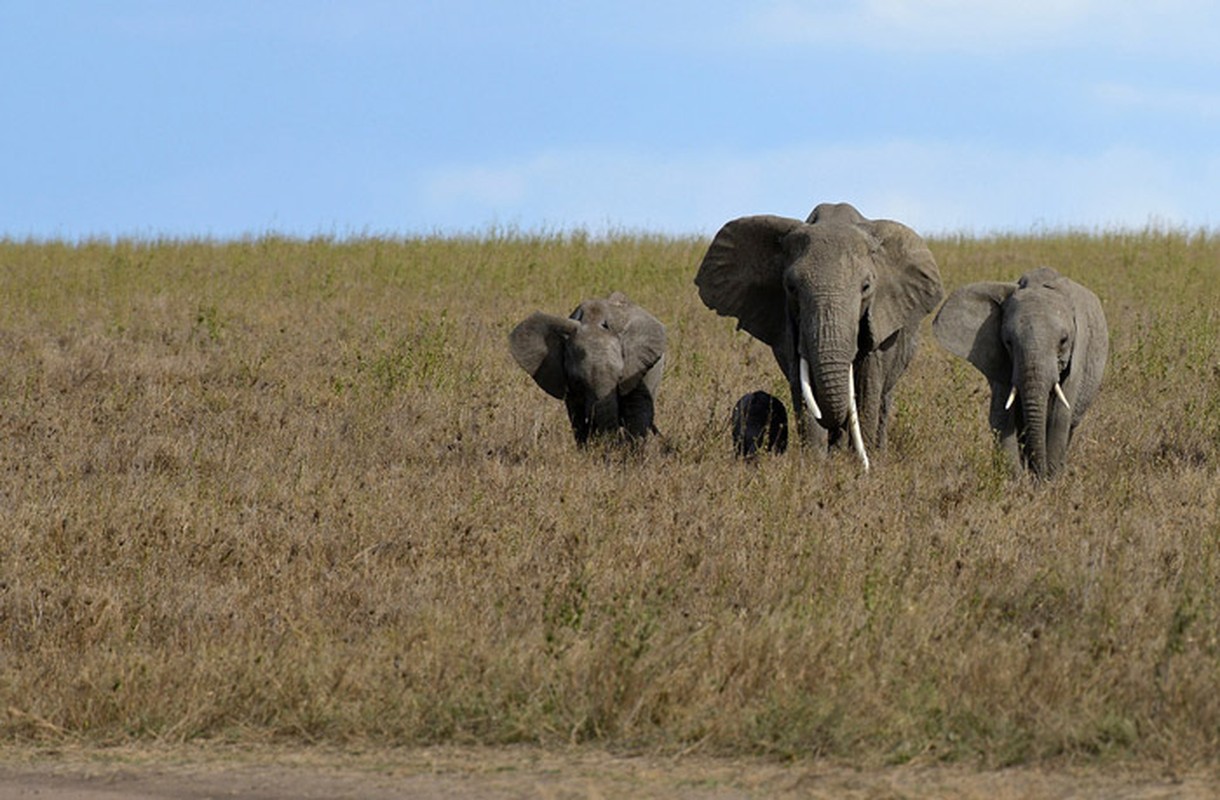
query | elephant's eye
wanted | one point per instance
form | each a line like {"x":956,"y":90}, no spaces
{"x":605,"y":325}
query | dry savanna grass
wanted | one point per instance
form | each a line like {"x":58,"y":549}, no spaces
{"x":285,"y":490}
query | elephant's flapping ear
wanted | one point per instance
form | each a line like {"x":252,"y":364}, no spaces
{"x":908,"y":281}
{"x":643,"y":338}
{"x":537,"y":344}
{"x":968,"y":325}
{"x":742,"y":274}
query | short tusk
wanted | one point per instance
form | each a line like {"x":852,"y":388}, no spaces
{"x":1012,"y":396}
{"x":807,"y":390}
{"x":853,"y":418}
{"x":1062,"y":398}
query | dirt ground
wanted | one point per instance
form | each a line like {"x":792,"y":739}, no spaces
{"x":491,"y":774}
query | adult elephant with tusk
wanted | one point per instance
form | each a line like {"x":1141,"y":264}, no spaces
{"x":839,"y":299}
{"x":1042,"y":344}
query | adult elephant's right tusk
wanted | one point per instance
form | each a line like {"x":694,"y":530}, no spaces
{"x":853,"y":418}
{"x":1012,"y":396}
{"x":807,"y":390}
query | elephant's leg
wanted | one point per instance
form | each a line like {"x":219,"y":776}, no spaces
{"x":1058,"y":435}
{"x":1003,"y":422}
{"x":870,"y":392}
{"x":576,"y":415}
{"x":883,"y":419}
{"x":636,"y":409}
{"x":813,"y":436}
{"x":895,"y":356}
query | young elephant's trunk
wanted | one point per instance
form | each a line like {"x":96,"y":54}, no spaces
{"x":1033,"y":410}
{"x":603,"y":414}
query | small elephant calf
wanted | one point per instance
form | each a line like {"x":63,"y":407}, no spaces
{"x":604,"y":361}
{"x":760,"y":422}
{"x":1042,"y":344}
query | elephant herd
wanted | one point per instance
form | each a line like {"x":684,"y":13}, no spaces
{"x":839,"y":299}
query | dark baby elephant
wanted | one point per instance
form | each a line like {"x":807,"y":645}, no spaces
{"x":604,"y":361}
{"x":760,"y":423}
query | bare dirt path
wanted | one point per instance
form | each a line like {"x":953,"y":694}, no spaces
{"x":493,"y":773}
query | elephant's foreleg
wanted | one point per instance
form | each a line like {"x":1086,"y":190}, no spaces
{"x":1058,"y":436}
{"x":894,"y":358}
{"x":636,"y":410}
{"x":1003,"y":422}
{"x":577,"y":416}
{"x":883,"y":419}
{"x":870,"y":386}
{"x":813,"y":435}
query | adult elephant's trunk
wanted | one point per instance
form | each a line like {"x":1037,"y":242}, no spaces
{"x":833,"y":389}
{"x":829,"y":339}
{"x":831,"y":384}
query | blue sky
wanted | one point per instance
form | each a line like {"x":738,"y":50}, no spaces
{"x":225,"y":119}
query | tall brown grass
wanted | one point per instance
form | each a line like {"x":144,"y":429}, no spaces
{"x":283,"y":489}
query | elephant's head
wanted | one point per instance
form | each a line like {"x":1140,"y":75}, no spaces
{"x":822,"y":293}
{"x":1041,"y":343}
{"x":604,"y":361}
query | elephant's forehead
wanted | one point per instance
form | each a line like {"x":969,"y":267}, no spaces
{"x":832,"y":239}
{"x":829,"y":252}
{"x":594,"y":311}
{"x":1036,"y":301}
{"x":596,"y":346}
{"x":1029,"y":312}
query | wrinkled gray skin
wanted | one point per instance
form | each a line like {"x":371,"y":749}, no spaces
{"x":845,"y":292}
{"x":760,"y":423}
{"x":604,"y":361}
{"x":1041,"y":331}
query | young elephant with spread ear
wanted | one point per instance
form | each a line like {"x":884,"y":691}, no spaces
{"x":839,"y":299}
{"x":604,"y":361}
{"x":760,"y":422}
{"x":1042,"y":344}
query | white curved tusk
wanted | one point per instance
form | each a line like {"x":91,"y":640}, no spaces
{"x":1062,"y":398}
{"x":853,"y":418}
{"x":1012,"y":396}
{"x":807,"y":390}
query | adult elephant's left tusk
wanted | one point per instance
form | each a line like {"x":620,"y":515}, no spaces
{"x":807,"y":390}
{"x":1062,"y":398}
{"x":1012,"y":396}
{"x":853,"y":418}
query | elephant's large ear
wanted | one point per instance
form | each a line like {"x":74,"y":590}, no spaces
{"x":1091,"y":349}
{"x":643,"y":339}
{"x":968,"y":325}
{"x":537,"y":345}
{"x":908,"y":282}
{"x":742,"y":274}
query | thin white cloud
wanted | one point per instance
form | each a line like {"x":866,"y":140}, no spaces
{"x":989,"y":27}
{"x":1178,"y":102}
{"x":933,"y":187}
{"x":307,"y":21}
